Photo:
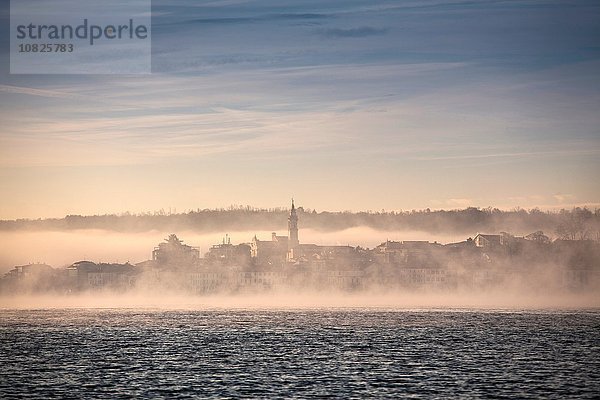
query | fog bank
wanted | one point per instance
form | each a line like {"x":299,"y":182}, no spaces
{"x":495,"y":299}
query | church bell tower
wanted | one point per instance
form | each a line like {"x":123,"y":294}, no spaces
{"x":293,"y":228}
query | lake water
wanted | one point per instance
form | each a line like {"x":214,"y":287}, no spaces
{"x":112,"y":353}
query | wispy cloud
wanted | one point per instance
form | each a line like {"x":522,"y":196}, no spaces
{"x":511,"y":155}
{"x":38,"y":92}
{"x":258,"y":18}
{"x":459,"y":202}
{"x":358,"y":32}
{"x":564,"y":197}
{"x":139,"y":139}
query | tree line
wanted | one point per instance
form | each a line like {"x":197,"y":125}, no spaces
{"x":574,"y":224}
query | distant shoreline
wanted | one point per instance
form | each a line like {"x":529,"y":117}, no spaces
{"x":463,"y":221}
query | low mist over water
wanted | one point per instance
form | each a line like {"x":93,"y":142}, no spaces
{"x":490,"y":299}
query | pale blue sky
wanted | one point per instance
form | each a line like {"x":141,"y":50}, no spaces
{"x":341,"y":104}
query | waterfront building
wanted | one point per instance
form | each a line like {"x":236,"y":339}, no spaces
{"x":227,"y":254}
{"x":269,"y":252}
{"x":30,"y":277}
{"x":90,"y":275}
{"x":174,"y":252}
{"x":487,"y":241}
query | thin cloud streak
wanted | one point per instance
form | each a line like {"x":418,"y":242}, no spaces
{"x":518,"y":154}
{"x":39,"y":92}
{"x":359,"y":32}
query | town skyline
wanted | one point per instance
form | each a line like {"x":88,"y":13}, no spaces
{"x":58,"y":241}
{"x":286,"y":262}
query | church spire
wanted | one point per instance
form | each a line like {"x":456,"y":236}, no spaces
{"x":293,"y":228}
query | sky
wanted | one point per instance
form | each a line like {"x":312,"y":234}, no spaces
{"x":343,"y":105}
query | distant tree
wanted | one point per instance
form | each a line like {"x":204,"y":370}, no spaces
{"x":575,"y":225}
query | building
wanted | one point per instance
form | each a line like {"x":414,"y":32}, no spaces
{"x":413,"y":252}
{"x":269,"y":252}
{"x":89,"y":275}
{"x":413,"y":263}
{"x":488,"y":241}
{"x":227,"y":254}
{"x":293,"y":241}
{"x":537,"y":237}
{"x":277,"y":251}
{"x":35,"y":277}
{"x":29,"y":271}
{"x":174,"y":253}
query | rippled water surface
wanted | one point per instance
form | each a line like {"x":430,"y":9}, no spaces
{"x":302,"y":353}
